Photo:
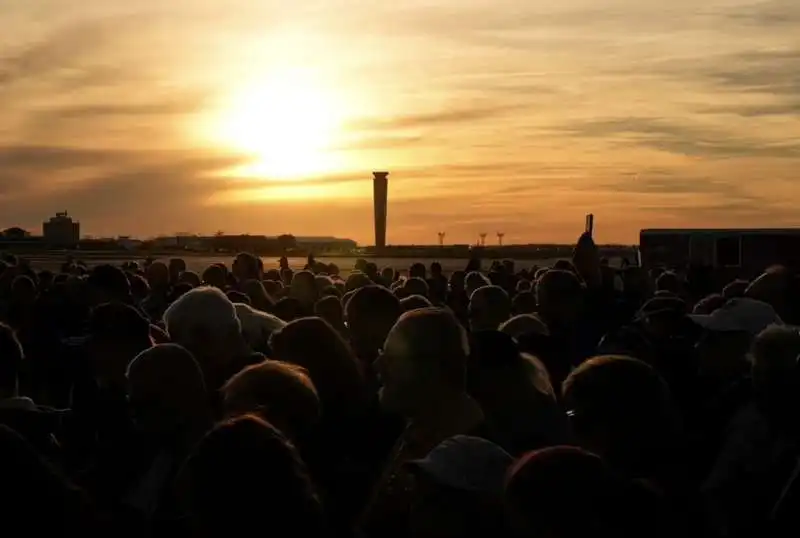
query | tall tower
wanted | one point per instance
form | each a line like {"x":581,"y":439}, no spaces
{"x":500,"y":236}
{"x":441,"y":238}
{"x":380,"y":201}
{"x":482,"y":242}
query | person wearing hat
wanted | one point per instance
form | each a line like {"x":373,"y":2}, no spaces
{"x":723,"y":354}
{"x":458,"y":489}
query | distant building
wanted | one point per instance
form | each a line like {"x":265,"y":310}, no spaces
{"x":61,"y":230}
{"x":127,"y":243}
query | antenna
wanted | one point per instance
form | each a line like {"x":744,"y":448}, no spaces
{"x":500,"y":236}
{"x":441,"y":238}
{"x":483,"y":239}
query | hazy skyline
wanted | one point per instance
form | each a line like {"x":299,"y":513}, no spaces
{"x":145,"y":117}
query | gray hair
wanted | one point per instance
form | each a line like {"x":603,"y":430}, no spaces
{"x":203,"y":309}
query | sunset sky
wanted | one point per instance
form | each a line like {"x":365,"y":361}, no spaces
{"x":145,"y":117}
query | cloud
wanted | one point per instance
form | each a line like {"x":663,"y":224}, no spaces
{"x":687,"y":139}
{"x":62,"y":51}
{"x":107,"y":185}
{"x":440,"y":118}
{"x":769,"y":14}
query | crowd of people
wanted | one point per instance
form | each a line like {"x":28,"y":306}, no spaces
{"x":571,"y":401}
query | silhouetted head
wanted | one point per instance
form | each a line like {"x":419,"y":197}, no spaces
{"x":357,"y":280}
{"x":316,"y":346}
{"x":191,"y":278}
{"x":176,"y":267}
{"x":457,"y":281}
{"x":371,"y":312}
{"x":622,"y":409}
{"x":736,"y":289}
{"x":167,"y":392}
{"x":118,"y":333}
{"x":414,"y":302}
{"x":559,"y":295}
{"x":158,"y":276}
{"x":215,"y":276}
{"x":417,"y":270}
{"x":670,"y":282}
{"x":330,"y":309}
{"x":23,"y":290}
{"x":304,"y":288}
{"x":388,"y":275}
{"x":489,"y":306}
{"x":523,"y":303}
{"x":281,"y":393}
{"x":776,"y":376}
{"x":416,"y":286}
{"x":244,"y":473}
{"x":709,"y":304}
{"x":566,"y":492}
{"x":246,"y":266}
{"x":474,"y":281}
{"x":524,"y":324}
{"x":425,"y":355}
{"x":108,"y":284}
{"x":205,"y":322}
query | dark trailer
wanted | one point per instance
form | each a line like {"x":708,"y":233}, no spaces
{"x":746,"y":252}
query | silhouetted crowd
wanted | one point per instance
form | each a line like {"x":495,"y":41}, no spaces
{"x":572,"y":401}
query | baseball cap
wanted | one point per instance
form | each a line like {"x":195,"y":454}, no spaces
{"x":468,"y":464}
{"x":740,"y":315}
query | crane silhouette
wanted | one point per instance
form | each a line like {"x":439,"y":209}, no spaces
{"x":483,"y":239}
{"x":500,"y":236}
{"x":441,"y":238}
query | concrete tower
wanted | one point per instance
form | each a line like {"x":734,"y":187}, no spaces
{"x":380,"y":201}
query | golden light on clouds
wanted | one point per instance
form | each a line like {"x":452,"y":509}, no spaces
{"x":269,"y":116}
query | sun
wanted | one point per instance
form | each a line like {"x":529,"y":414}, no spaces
{"x":289,"y":122}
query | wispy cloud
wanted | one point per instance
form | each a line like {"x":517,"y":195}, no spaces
{"x":686,"y":138}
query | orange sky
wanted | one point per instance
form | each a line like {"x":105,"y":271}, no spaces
{"x":492,"y":115}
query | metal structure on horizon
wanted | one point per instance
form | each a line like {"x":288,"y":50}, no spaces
{"x":500,"y":236}
{"x":441,"y":238}
{"x":482,"y":241}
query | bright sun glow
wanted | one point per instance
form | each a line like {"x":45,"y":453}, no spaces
{"x":289,"y":122}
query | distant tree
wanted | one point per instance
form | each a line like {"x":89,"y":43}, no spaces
{"x":287,"y":242}
{"x":15,"y":233}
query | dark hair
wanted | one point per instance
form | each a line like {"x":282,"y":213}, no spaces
{"x":570,"y":493}
{"x":11,"y":357}
{"x":627,"y":400}
{"x":524,"y":303}
{"x":280,"y":392}
{"x":244,"y":473}
{"x":316,"y":346}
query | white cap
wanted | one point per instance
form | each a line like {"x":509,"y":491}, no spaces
{"x":740,"y":315}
